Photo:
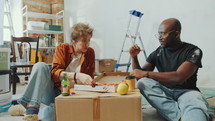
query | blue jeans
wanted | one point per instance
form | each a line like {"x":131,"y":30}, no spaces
{"x":173,"y":104}
{"x":40,"y":88}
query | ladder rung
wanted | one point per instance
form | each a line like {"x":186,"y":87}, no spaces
{"x":130,"y":36}
{"x":7,"y":27}
{"x":128,"y":50}
{"x":136,"y":13}
{"x":125,"y":50}
{"x":122,"y":64}
{"x":6,"y":13}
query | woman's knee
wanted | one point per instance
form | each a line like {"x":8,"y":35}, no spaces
{"x":41,"y":66}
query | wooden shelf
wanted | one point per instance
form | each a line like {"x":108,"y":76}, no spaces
{"x":47,"y":47}
{"x":43,"y":15}
{"x":43,"y":31}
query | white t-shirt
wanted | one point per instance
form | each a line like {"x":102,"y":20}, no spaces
{"x":75,"y":64}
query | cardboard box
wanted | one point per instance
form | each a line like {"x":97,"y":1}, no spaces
{"x":48,"y":59}
{"x":105,"y":65}
{"x":35,"y":25}
{"x":211,"y":107}
{"x":211,"y":101}
{"x":105,"y":78}
{"x":94,"y":106}
{"x":111,"y":77}
{"x":96,"y":88}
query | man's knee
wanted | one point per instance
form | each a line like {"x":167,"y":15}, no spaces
{"x":146,"y":82}
{"x":193,"y":103}
{"x":140,"y":83}
{"x":193,"y":99}
{"x":194,"y":96}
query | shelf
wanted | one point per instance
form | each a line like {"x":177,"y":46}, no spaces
{"x":38,"y":29}
{"x":43,"y":31}
{"x":47,"y":47}
{"x":42,"y":15}
{"x":44,"y":47}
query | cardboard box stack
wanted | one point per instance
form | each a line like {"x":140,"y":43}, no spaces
{"x":95,"y":106}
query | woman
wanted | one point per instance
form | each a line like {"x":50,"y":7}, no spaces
{"x":76,"y":59}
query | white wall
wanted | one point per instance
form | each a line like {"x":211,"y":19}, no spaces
{"x":109,"y":18}
{"x":1,"y":21}
{"x":16,"y":6}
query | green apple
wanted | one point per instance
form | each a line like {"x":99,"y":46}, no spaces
{"x":122,"y":88}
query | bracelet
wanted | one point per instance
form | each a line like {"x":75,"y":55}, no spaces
{"x":75,"y":78}
{"x":147,"y":74}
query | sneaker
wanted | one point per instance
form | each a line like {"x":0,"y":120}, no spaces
{"x":33,"y":117}
{"x":17,"y":110}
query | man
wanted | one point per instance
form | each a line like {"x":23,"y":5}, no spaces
{"x":172,"y":90}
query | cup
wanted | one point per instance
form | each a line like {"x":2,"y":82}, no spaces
{"x":130,"y":80}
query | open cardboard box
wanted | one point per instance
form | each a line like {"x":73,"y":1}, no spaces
{"x":105,"y":78}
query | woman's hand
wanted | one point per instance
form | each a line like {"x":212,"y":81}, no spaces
{"x":84,"y":78}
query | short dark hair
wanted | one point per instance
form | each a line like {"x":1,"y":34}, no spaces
{"x":177,"y":25}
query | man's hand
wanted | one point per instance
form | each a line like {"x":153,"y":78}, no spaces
{"x":134,"y":50}
{"x":139,"y":73}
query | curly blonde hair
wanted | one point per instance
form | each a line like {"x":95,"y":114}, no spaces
{"x":79,"y":30}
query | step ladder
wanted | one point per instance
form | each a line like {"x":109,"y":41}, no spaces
{"x":129,"y":36}
{"x":8,"y":24}
{"x":7,"y":13}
